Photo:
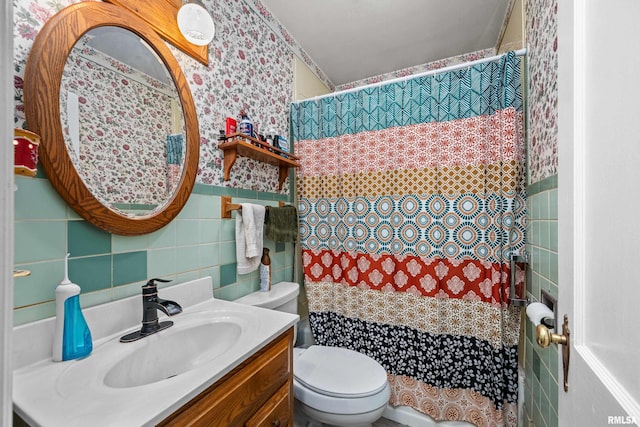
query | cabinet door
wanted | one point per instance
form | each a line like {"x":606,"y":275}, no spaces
{"x":243,"y":392}
{"x":274,"y":413}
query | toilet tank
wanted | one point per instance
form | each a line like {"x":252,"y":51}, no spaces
{"x":283,"y":296}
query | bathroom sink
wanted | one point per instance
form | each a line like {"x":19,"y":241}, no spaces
{"x":197,"y":341}
{"x":145,"y":380}
{"x":173,"y":352}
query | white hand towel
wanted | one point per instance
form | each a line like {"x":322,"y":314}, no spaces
{"x":249,"y":225}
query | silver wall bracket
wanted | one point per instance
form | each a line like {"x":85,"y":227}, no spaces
{"x":513,"y":260}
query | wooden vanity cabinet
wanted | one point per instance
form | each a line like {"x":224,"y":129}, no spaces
{"x":259,"y":392}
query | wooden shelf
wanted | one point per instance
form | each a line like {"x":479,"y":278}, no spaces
{"x":238,"y":144}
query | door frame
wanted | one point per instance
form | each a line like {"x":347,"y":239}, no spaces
{"x":6,"y":211}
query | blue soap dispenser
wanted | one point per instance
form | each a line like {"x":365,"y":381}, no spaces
{"x":72,"y":339}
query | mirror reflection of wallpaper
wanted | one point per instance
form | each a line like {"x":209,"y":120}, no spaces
{"x":125,"y":118}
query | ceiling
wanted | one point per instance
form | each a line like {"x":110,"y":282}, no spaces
{"x":354,"y":39}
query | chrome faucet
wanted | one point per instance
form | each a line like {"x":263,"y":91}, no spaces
{"x":150,"y":306}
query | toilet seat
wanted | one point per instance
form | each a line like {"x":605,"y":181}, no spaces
{"x":339,"y":372}
{"x":339,"y":380}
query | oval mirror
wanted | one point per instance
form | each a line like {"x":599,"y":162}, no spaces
{"x":122,"y":121}
{"x":120,"y":139}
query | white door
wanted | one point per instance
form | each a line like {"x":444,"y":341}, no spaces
{"x":599,"y":209}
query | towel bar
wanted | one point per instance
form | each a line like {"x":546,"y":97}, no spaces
{"x":226,"y":206}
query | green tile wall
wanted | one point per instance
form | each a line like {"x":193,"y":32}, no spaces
{"x":129,"y":267}
{"x":541,"y":364}
{"x":198,"y":243}
{"x":91,"y":273}
{"x":228,"y":274}
{"x":85,"y":239}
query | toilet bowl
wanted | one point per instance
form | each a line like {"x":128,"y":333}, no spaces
{"x":332,"y":385}
{"x":339,"y":386}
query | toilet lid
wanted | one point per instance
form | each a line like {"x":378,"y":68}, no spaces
{"x":339,"y":372}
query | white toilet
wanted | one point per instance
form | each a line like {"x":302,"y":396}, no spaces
{"x":331,"y":385}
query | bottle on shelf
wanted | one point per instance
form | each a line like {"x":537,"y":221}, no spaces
{"x":283,"y":144}
{"x":246,"y":125}
{"x":270,"y":139}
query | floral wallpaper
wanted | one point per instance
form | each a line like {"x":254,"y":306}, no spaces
{"x":124,"y":120}
{"x":542,"y":55}
{"x":250,"y":68}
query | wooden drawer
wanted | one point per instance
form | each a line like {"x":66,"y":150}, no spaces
{"x":251,"y":388}
{"x":275,"y":413}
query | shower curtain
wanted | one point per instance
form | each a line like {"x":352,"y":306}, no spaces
{"x":412,"y":198}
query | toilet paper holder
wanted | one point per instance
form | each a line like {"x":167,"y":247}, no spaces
{"x":544,"y":336}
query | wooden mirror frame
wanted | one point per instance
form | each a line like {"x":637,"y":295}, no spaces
{"x":43,"y":76}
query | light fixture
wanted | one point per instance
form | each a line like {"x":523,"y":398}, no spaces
{"x":195,"y":23}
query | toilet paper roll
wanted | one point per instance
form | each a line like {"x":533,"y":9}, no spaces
{"x":537,"y":311}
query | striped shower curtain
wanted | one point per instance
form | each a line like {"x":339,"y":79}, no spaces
{"x":412,"y":198}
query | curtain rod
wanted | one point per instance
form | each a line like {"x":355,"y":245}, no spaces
{"x":520,"y":52}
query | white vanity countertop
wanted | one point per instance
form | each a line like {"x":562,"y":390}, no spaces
{"x":74,"y":393}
